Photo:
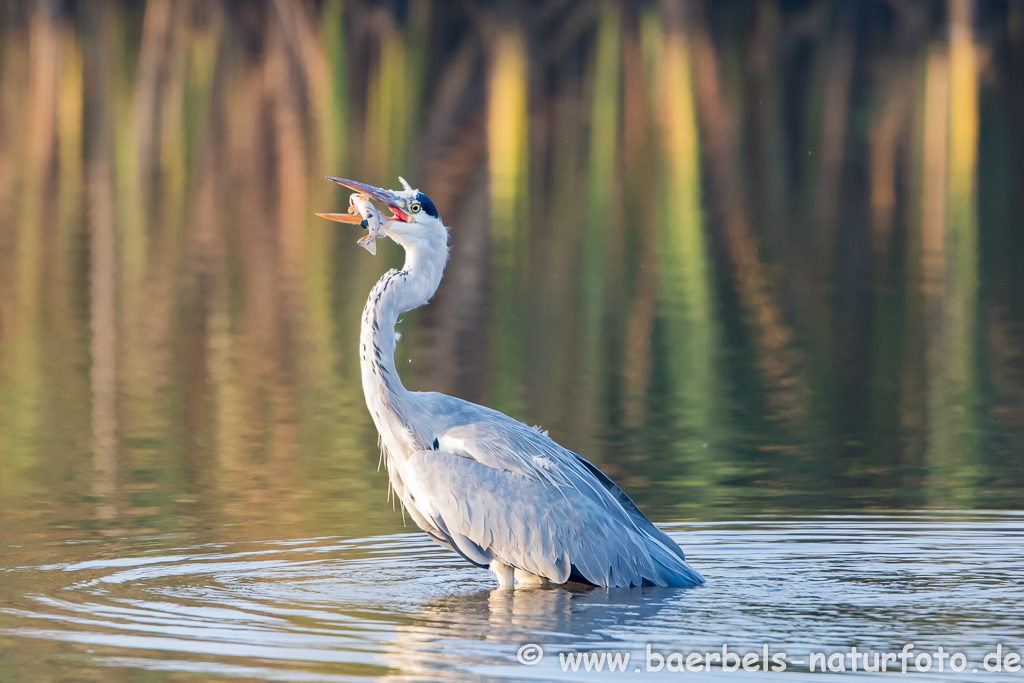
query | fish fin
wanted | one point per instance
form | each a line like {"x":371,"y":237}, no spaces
{"x":369,"y":243}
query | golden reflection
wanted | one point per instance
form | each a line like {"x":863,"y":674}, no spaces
{"x":952,"y":253}
{"x":506,"y":129}
{"x":666,"y":233}
{"x":507,"y":159}
{"x":685,"y":296}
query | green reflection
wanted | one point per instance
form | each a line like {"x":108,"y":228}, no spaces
{"x":670,"y":277}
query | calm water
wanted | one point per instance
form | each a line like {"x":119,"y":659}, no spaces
{"x":396,"y":606}
{"x":762,"y":262}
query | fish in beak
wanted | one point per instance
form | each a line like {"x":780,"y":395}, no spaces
{"x":388,"y":198}
{"x":361,"y":211}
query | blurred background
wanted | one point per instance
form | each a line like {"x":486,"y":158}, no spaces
{"x":745,"y":256}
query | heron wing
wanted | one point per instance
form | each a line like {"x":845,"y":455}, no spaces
{"x":500,"y":442}
{"x":558,"y":532}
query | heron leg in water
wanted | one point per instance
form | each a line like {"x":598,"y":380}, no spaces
{"x":509,"y":577}
{"x":525,"y":579}
{"x":506,"y":577}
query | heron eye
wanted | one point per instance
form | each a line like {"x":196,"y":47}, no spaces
{"x":415,"y":207}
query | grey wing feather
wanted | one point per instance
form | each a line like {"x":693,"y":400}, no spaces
{"x":502,"y":490}
{"x":534,"y":530}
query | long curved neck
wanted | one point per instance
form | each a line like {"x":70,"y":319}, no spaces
{"x":396,"y":292}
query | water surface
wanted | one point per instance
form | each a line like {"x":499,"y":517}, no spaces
{"x":397,"y":606}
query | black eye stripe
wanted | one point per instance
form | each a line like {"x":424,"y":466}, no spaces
{"x":428,"y":206}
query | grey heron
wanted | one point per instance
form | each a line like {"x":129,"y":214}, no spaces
{"x":499,"y":493}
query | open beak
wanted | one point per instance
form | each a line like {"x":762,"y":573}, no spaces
{"x":385,"y":197}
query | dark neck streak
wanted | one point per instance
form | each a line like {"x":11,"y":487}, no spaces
{"x":385,"y":394}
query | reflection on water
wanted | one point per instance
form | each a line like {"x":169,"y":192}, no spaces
{"x":746,"y":256}
{"x":399,"y":607}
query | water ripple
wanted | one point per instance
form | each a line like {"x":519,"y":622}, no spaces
{"x":329,"y":609}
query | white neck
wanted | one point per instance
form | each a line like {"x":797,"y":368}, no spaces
{"x":396,"y":292}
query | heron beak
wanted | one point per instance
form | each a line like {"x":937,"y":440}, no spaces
{"x":386,"y":197}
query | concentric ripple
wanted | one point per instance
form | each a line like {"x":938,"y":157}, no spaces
{"x":397,"y":606}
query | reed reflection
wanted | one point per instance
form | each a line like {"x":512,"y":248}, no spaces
{"x":738,"y":254}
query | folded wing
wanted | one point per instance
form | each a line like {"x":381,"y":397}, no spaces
{"x":529,"y":503}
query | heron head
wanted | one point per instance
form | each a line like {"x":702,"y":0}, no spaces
{"x":414,"y":221}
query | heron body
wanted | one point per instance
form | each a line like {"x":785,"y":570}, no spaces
{"x":496,"y":491}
